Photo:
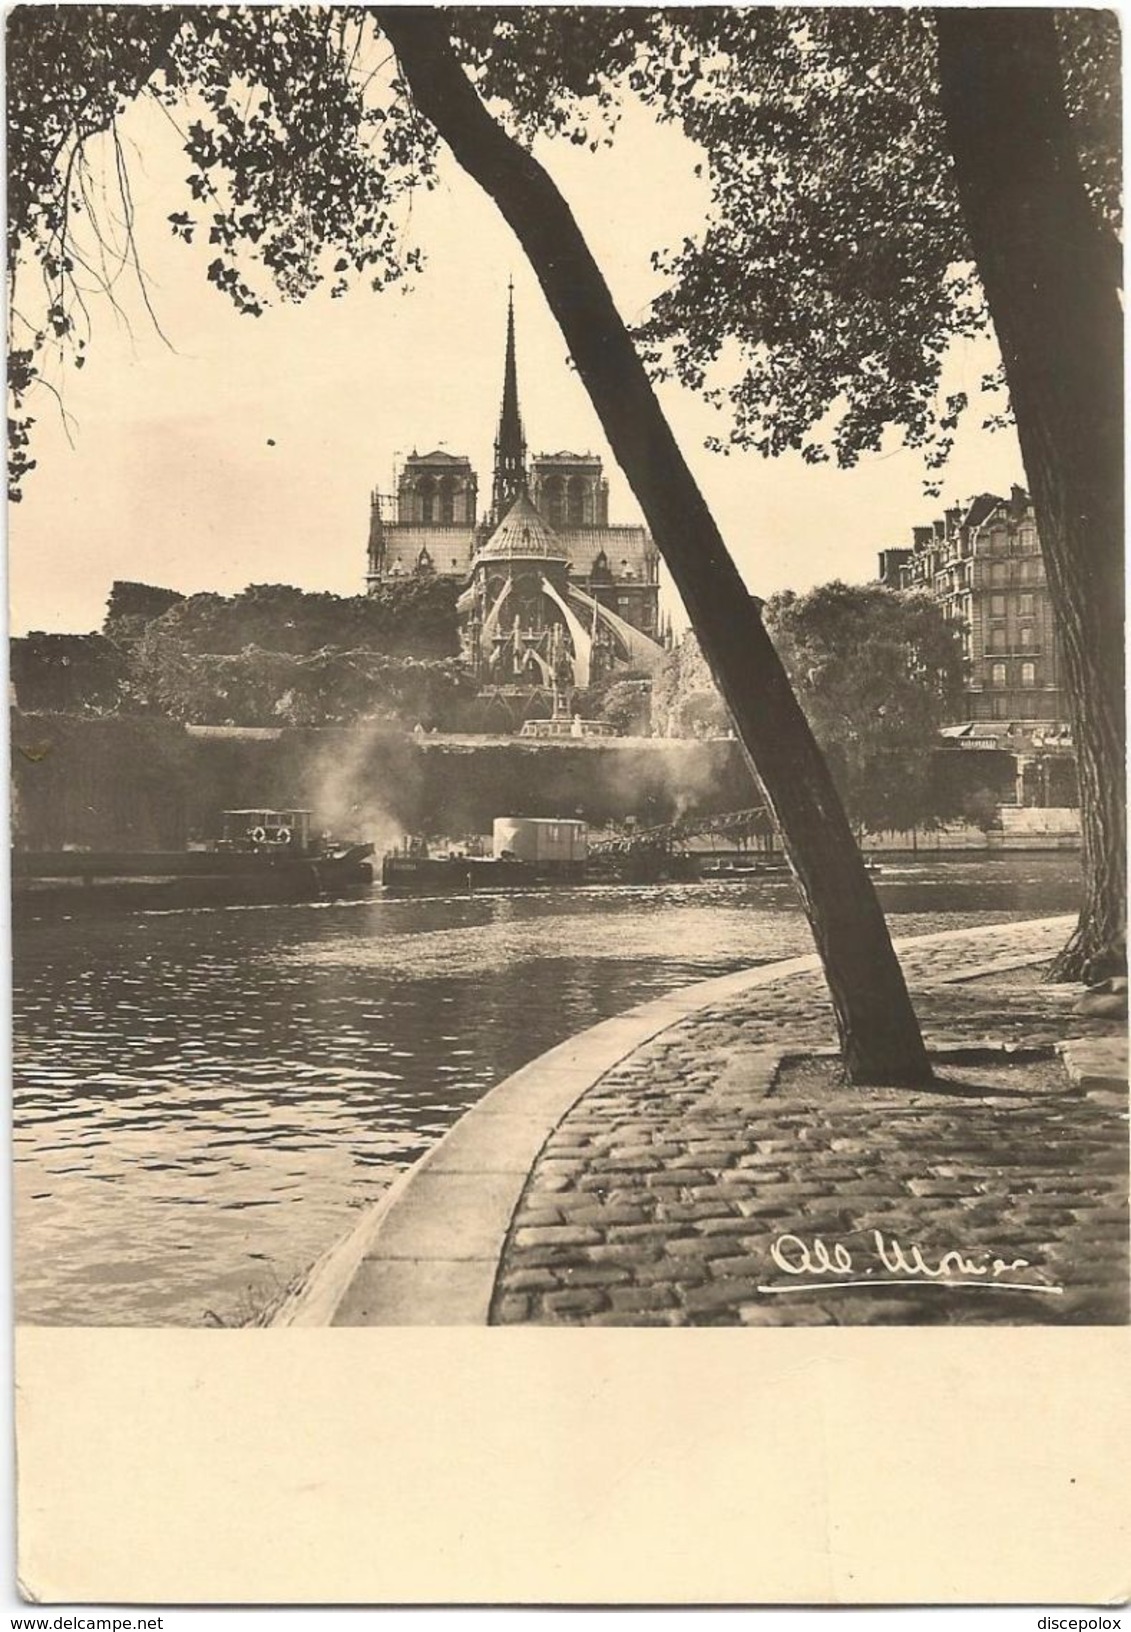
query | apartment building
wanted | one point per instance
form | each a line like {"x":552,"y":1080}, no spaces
{"x":983,"y":563}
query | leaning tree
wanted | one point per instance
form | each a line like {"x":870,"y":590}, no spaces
{"x":883,"y":181}
{"x":1051,"y":269}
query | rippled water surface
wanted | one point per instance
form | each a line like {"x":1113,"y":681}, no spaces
{"x":202,"y":1099}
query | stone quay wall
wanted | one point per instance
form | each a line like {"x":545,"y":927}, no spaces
{"x":147,"y":783}
{"x":151,"y":784}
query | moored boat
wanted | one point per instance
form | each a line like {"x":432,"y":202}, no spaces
{"x":262,"y":856}
{"x":525,"y":851}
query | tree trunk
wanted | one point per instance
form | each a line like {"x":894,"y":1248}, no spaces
{"x":1050,"y":272}
{"x":880,"y":1039}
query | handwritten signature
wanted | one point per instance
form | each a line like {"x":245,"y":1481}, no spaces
{"x":895,"y":1265}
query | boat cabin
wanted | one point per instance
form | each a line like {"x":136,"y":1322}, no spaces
{"x":554,"y":843}
{"x":282,"y":830}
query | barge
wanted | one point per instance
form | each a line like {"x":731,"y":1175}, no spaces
{"x":525,"y":851}
{"x":262,"y":857}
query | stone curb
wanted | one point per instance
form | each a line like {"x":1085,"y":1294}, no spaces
{"x":1096,"y":1064}
{"x":427,"y":1253}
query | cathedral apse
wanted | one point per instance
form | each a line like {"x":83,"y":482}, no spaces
{"x":555,"y":598}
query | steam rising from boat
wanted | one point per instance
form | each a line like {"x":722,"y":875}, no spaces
{"x":346,"y":794}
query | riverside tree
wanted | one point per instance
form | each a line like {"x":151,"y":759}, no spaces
{"x":275,"y":655}
{"x":1039,"y":206}
{"x":878,"y":672}
{"x":262,"y":687}
{"x":67,"y":674}
{"x":413,"y":617}
{"x":300,"y":176}
{"x":885,"y":180}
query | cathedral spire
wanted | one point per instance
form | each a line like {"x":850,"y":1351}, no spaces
{"x":510,"y":444}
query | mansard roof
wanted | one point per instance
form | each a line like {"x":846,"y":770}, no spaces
{"x":981,"y":507}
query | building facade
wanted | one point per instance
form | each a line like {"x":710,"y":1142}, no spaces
{"x":983,"y":563}
{"x":553,"y":596}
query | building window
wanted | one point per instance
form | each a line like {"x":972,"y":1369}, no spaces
{"x":576,"y":501}
{"x":1027,"y":604}
{"x":1026,"y":636}
{"x":1028,"y":674}
{"x":997,"y":606}
{"x":995,"y":640}
{"x":554,"y":499}
{"x":999,"y":541}
{"x":997,"y":676}
{"x":447,"y":501}
{"x":427,"y":491}
{"x":999,"y":572}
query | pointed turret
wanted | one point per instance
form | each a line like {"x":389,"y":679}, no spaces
{"x":510,"y":444}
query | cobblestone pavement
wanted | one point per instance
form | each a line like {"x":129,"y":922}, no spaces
{"x":660,"y":1197}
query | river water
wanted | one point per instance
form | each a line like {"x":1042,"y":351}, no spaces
{"x":204,"y":1098}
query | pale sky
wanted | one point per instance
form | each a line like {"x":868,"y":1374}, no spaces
{"x":244,"y":450}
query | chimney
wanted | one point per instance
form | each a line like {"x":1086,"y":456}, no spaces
{"x":890,"y":563}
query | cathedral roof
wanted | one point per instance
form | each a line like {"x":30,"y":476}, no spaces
{"x":584,"y":544}
{"x":522,"y":535}
{"x":565,"y":457}
{"x":437,"y":457}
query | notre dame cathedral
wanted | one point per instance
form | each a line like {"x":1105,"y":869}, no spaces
{"x":555,"y":598}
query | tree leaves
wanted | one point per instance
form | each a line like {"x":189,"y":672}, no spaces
{"x":300,"y":144}
{"x":877,"y":673}
{"x":277,"y":655}
{"x":814,"y":307}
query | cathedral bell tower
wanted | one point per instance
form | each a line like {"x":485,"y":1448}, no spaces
{"x":510,"y":444}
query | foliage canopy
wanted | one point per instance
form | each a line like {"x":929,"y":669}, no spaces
{"x":815,"y":306}
{"x":817,"y":303}
{"x":67,"y":674}
{"x":412,"y":617}
{"x":275,"y":655}
{"x":296,"y":167}
{"x":877,"y":671}
{"x":270,"y":656}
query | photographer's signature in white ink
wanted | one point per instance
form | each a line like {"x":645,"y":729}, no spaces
{"x":816,"y":1265}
